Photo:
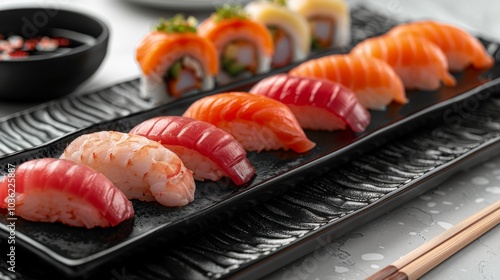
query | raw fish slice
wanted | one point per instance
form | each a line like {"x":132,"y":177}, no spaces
{"x":143,"y":169}
{"x":420,"y":63}
{"x":461,"y":48}
{"x":257,"y":122}
{"x":205,"y":149}
{"x":372,"y":80}
{"x":330,"y":105}
{"x":58,"y":190}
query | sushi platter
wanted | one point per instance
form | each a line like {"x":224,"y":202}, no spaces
{"x":347,"y":190}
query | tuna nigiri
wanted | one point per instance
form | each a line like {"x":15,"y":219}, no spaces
{"x":329,"y":20}
{"x":461,"y":48}
{"x":57,"y":190}
{"x":256,"y":121}
{"x":205,"y":149}
{"x":372,"y":80}
{"x":318,"y":104}
{"x":244,"y":46}
{"x":175,"y":60}
{"x":420,"y":63}
{"x":290,"y":30}
{"x":143,"y":169}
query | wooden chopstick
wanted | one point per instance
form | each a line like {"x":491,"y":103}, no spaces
{"x":435,"y":251}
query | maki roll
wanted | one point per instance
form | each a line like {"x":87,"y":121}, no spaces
{"x":329,"y":20}
{"x":175,"y":60}
{"x":244,"y":46}
{"x":289,"y":29}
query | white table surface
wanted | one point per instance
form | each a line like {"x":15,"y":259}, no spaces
{"x":382,"y":241}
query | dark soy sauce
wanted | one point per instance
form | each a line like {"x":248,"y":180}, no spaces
{"x":54,"y":42}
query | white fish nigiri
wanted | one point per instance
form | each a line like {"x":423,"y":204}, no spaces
{"x":143,"y":169}
{"x":330,"y":21}
{"x":290,"y":30}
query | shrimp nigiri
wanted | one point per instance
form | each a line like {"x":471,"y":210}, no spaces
{"x":372,"y":80}
{"x":143,"y":169}
{"x":461,"y":48}
{"x":57,"y":190}
{"x":318,"y":104}
{"x":205,"y":149}
{"x":256,"y":121}
{"x":420,"y":63}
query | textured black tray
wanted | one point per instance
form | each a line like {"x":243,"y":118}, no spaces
{"x":77,"y":251}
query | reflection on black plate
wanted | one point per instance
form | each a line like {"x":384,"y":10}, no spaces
{"x":77,"y":250}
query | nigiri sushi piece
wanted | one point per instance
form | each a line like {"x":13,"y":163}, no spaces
{"x":256,"y":121}
{"x":244,"y":46}
{"x":56,"y":190}
{"x":205,"y":149}
{"x":143,"y":169}
{"x":329,"y":20}
{"x":372,"y":80}
{"x":460,"y":48}
{"x":290,"y":30}
{"x":318,"y":104}
{"x":175,"y":60}
{"x":420,"y":63}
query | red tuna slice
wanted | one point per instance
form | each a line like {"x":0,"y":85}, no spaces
{"x":318,"y":104}
{"x":58,"y":190}
{"x":184,"y":135}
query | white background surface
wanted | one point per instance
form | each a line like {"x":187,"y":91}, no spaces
{"x":379,"y":243}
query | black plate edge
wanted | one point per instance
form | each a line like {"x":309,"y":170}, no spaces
{"x":326,"y":234}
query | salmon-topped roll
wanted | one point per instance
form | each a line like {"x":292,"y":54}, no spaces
{"x":175,"y":60}
{"x":329,"y":20}
{"x":419,"y":62}
{"x":290,"y":30}
{"x":244,"y":46}
{"x":461,"y":48}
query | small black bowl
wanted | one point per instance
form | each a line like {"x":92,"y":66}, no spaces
{"x":48,"y":75}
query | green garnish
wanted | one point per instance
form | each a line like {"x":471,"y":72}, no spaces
{"x":315,"y":44}
{"x":175,"y":70}
{"x":278,"y":2}
{"x":177,"y":24}
{"x":230,"y":11}
{"x":232,"y":67}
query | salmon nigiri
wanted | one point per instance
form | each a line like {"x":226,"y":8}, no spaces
{"x":244,"y":46}
{"x":420,"y":63}
{"x":205,"y":149}
{"x":175,"y":60}
{"x":372,"y":80}
{"x":461,"y":48}
{"x":318,"y":104}
{"x":57,"y":190}
{"x":142,"y":168}
{"x":256,"y":121}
